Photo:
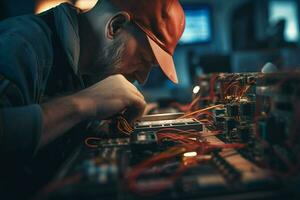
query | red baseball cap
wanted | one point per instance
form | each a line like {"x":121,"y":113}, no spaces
{"x":163,"y":22}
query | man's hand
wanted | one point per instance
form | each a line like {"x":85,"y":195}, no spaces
{"x":102,"y":100}
{"x":109,"y":97}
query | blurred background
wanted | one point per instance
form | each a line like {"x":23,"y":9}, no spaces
{"x":220,"y":36}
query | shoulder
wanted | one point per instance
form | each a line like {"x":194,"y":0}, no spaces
{"x":30,"y":27}
{"x":27,"y":31}
{"x":25,"y":40}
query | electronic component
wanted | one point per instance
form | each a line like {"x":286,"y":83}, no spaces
{"x":247,"y":110}
{"x":219,"y":112}
{"x":143,"y":140}
{"x":230,"y":124}
{"x":232,"y":110}
{"x":183,"y":124}
{"x":245,"y":132}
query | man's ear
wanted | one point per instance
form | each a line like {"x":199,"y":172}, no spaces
{"x":116,"y":23}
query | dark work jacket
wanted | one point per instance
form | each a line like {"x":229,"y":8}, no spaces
{"x":38,"y":60}
{"x":39,"y":57}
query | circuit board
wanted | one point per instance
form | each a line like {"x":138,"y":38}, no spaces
{"x":238,"y":140}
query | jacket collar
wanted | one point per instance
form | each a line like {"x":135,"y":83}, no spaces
{"x":66,"y":22}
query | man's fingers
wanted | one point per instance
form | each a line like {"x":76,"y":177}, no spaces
{"x":137,"y":104}
{"x":135,"y":109}
{"x":135,"y":90}
{"x":138,"y":94}
{"x":129,"y":85}
{"x":111,"y":96}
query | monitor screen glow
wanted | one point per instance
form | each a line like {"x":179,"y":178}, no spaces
{"x":198,"y":25}
{"x":285,"y":10}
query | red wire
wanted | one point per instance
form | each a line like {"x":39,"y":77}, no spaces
{"x":187,"y":146}
{"x":87,"y":140}
{"x":212,"y":85}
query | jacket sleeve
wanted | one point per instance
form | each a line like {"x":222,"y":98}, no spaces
{"x":20,"y":125}
{"x":25,"y":53}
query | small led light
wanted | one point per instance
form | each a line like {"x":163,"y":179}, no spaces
{"x":243,"y":100}
{"x":142,"y":138}
{"x":196,"y":89}
{"x":190,"y":154}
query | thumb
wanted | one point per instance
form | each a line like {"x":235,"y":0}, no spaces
{"x":135,"y":111}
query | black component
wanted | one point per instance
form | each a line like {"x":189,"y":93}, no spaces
{"x":232,"y":110}
{"x":247,"y":109}
{"x":225,"y":168}
{"x":196,"y":181}
{"x":244,"y":132}
{"x":272,"y":130}
{"x":230,"y":124}
{"x":220,"y":121}
{"x":219,"y":112}
{"x":144,"y":140}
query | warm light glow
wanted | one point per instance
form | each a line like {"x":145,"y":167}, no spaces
{"x":86,"y":4}
{"x":44,"y":5}
{"x":196,"y":89}
{"x":190,"y":154}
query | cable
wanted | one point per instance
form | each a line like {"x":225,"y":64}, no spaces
{"x":200,"y":147}
{"x":124,"y":126}
{"x":200,"y":111}
{"x":87,"y":140}
{"x":212,"y":85}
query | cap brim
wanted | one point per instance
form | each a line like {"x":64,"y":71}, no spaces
{"x":165,"y":60}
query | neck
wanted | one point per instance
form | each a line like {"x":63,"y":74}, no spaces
{"x":89,"y":43}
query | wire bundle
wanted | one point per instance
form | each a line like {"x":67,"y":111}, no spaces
{"x":234,"y":89}
{"x":124,"y":126}
{"x":190,"y":141}
{"x":196,"y":114}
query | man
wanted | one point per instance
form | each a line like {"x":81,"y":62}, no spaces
{"x":43,"y":58}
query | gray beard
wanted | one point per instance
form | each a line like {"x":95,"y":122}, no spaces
{"x":109,"y":60}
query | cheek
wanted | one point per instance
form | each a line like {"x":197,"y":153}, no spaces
{"x":130,"y":58}
{"x":131,"y":48}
